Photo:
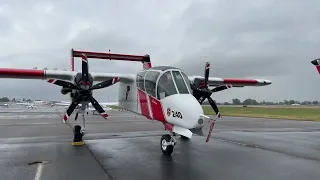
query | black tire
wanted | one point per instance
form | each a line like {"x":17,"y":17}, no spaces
{"x":77,"y":136}
{"x":167,"y":150}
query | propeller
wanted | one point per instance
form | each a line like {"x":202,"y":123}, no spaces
{"x":83,"y":84}
{"x":201,"y":90}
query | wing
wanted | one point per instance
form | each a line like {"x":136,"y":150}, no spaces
{"x":235,"y":82}
{"x":61,"y":75}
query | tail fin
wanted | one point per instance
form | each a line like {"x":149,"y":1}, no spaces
{"x":147,"y":63}
{"x":316,"y":62}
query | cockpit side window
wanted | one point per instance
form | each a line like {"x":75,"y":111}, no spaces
{"x":140,"y":80}
{"x":166,"y":86}
{"x":181,"y":85}
{"x":150,"y":82}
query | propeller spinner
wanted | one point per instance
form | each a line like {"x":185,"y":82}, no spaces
{"x":83,"y":86}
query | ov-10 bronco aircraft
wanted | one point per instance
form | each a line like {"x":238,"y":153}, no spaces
{"x":161,"y":93}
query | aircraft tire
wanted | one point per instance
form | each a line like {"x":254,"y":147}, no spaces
{"x":77,"y":136}
{"x":167,"y":150}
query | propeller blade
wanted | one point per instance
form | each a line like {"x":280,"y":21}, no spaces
{"x":62,"y":83}
{"x":214,"y":106}
{"x":85,"y":68}
{"x":105,"y":83}
{"x":97,"y":106}
{"x":206,"y":73}
{"x":71,"y":108}
{"x":210,"y":131}
{"x":201,"y":99}
{"x":220,"y":88}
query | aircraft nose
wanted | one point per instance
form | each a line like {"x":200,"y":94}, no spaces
{"x":185,"y":110}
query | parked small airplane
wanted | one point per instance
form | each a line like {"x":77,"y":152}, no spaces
{"x":161,"y":93}
{"x":5,"y":105}
{"x":31,"y":106}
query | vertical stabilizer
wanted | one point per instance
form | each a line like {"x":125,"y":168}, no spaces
{"x":146,"y":62}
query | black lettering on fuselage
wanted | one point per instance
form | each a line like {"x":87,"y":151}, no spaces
{"x":176,"y":114}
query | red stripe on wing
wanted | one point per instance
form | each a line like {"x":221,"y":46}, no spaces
{"x":22,"y":73}
{"x":240,"y":81}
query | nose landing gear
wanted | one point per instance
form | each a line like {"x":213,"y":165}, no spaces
{"x":167,"y":143}
{"x":78,"y":133}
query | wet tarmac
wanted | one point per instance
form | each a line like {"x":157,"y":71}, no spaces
{"x":127,"y":146}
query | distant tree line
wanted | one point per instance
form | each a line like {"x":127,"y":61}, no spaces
{"x":6,"y":99}
{"x":250,"y":101}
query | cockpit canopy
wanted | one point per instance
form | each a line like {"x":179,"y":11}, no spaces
{"x":163,"y":81}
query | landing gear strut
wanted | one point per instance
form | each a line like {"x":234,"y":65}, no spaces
{"x":79,"y":132}
{"x":167,"y":143}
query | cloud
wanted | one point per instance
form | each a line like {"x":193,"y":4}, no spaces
{"x":275,"y":40}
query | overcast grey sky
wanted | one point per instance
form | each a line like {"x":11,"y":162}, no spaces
{"x":274,"y":40}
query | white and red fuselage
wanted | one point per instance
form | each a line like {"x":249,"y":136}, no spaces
{"x":168,"y":100}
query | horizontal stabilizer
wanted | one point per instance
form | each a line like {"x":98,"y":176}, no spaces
{"x":111,"y":56}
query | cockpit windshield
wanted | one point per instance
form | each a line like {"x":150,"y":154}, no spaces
{"x":172,"y":83}
{"x":166,"y":86}
{"x":181,"y":85}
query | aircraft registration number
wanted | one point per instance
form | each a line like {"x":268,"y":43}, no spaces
{"x":176,"y":114}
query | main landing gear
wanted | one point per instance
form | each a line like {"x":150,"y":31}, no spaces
{"x":79,"y":132}
{"x":167,"y":143}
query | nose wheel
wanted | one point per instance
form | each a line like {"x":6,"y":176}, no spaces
{"x":167,"y":143}
{"x":78,"y":133}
